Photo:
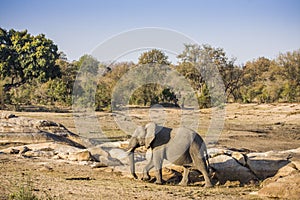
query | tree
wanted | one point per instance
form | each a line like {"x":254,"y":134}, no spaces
{"x":153,"y":56}
{"x":152,"y":68}
{"x":88,"y":64}
{"x":106,"y":84}
{"x":201,"y":64}
{"x":68,"y":73}
{"x":9,"y":65}
{"x":24,"y":57}
{"x":290,"y":66}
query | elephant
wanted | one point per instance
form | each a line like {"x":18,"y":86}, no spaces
{"x":181,"y":146}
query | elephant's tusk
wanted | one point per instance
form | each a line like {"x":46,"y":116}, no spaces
{"x":129,"y":150}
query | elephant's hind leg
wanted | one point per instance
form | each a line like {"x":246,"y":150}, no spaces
{"x":185,"y":177}
{"x":199,"y":162}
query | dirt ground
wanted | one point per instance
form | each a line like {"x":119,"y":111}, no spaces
{"x":255,"y":127}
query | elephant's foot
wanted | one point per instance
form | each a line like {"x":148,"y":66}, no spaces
{"x":208,"y":185}
{"x":134,"y":176}
{"x":146,"y":178}
{"x":159,"y":182}
{"x":183,"y":183}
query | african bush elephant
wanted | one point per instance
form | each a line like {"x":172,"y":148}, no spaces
{"x":181,"y":146}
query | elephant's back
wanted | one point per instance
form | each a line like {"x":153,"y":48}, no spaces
{"x":183,"y":134}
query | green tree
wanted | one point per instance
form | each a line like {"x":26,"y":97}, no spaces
{"x":107,"y":82}
{"x":84,"y":90}
{"x":68,"y":76}
{"x":200,"y":64}
{"x":9,"y":65}
{"x":290,"y":66}
{"x":153,"y":56}
{"x":151,"y":68}
{"x":25,"y":57}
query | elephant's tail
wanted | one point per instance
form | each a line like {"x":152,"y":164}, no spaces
{"x":209,"y":169}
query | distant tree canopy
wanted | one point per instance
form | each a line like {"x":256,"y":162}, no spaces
{"x":267,"y":81}
{"x":153,"y":56}
{"x":25,"y":57}
{"x":34,"y":72}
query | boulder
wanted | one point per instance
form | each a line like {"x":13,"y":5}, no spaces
{"x":82,"y":155}
{"x":22,"y":130}
{"x":39,"y":153}
{"x":51,"y":148}
{"x":98,"y":152}
{"x":287,"y":187}
{"x":108,"y":156}
{"x":263,"y":165}
{"x":213,"y":152}
{"x":227,"y":168}
{"x":118,"y":144}
{"x":239,"y":157}
{"x":110,"y":162}
{"x":296,"y":163}
{"x":119,"y":154}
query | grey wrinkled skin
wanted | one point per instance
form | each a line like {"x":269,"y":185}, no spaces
{"x":181,"y":146}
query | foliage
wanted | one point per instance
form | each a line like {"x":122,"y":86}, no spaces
{"x":201,"y":65}
{"x":153,"y":56}
{"x":25,"y":57}
{"x":290,"y":70}
{"x":151,"y":69}
{"x":25,"y":192}
{"x":107,"y":83}
{"x":267,"y":81}
{"x":33,"y":72}
{"x":84,"y":90}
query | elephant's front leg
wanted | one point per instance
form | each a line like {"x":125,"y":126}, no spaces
{"x":158,"y":161}
{"x":147,"y":168}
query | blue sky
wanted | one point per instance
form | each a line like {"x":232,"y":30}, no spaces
{"x":245,"y":29}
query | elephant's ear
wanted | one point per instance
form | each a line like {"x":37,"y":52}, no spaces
{"x":150,"y":133}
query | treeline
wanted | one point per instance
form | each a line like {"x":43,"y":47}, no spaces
{"x":34,"y":72}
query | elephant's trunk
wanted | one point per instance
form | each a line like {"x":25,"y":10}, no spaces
{"x":131,"y":163}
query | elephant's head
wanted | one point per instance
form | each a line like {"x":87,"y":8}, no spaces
{"x":142,"y":136}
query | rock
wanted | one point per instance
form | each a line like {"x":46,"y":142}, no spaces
{"x":24,"y":150}
{"x":296,"y":163}
{"x":38,"y":153}
{"x":98,"y":165}
{"x":22,"y":130}
{"x":287,"y":187}
{"x":231,"y":184}
{"x":110,"y":162}
{"x":14,"y":151}
{"x":45,"y":168}
{"x":239,"y":157}
{"x":119,"y":154}
{"x":109,"y":156}
{"x":228,"y":169}
{"x":264,"y":166}
{"x":49,"y":149}
{"x":213,"y":152}
{"x":286,"y":182}
{"x":98,"y":152}
{"x":117,"y":144}
{"x":286,"y":170}
{"x":83,"y":155}
{"x":283,"y":172}
{"x":6,"y":115}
